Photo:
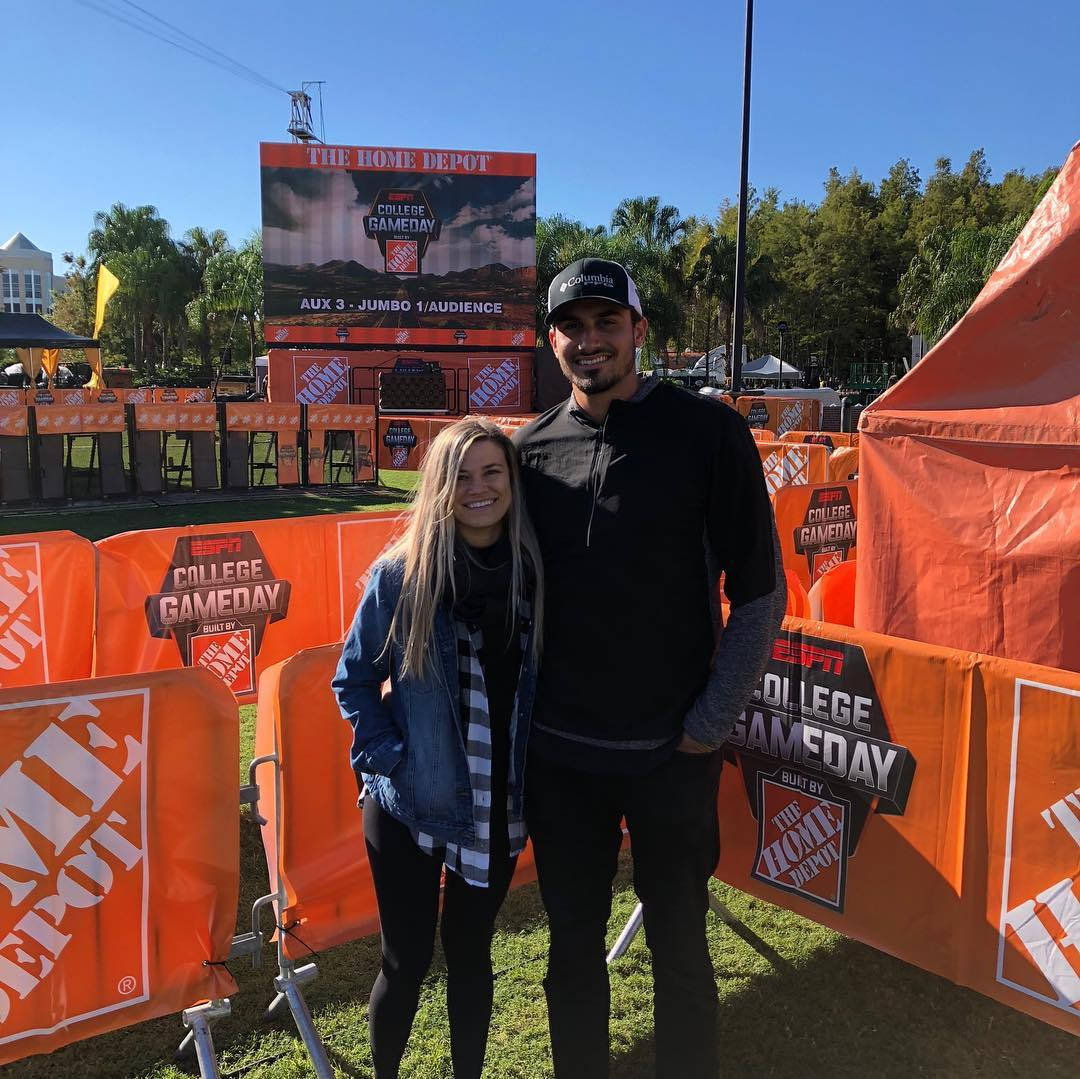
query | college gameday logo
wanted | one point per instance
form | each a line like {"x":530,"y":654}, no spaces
{"x":73,"y":866}
{"x":828,"y":531}
{"x":816,"y":757}
{"x":24,"y":658}
{"x":402,"y":222}
{"x":218,"y":596}
{"x":399,"y":439}
{"x":758,"y":416}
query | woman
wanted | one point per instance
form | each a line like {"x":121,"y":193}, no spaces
{"x":451,"y":616}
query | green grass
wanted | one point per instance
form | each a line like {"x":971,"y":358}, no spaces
{"x":797,"y":1000}
{"x":98,"y":522}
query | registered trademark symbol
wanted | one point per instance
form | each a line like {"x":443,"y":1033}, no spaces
{"x":126,"y":986}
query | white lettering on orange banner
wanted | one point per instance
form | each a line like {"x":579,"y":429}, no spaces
{"x":24,"y":657}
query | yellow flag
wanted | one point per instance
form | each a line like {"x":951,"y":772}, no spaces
{"x":107,"y":284}
{"x":50,"y":360}
{"x":93,"y":357}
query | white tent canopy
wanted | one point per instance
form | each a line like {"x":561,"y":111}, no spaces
{"x":771,"y":367}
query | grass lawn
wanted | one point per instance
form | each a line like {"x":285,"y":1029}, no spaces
{"x":99,"y":521}
{"x":797,"y":1000}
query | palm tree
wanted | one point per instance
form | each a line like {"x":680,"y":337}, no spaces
{"x":136,"y":244}
{"x":199,"y":247}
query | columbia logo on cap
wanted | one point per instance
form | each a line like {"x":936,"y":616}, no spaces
{"x":586,"y":279}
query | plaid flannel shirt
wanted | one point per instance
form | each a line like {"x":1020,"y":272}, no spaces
{"x":473,"y":864}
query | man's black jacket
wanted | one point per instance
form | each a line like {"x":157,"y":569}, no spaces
{"x":636,"y":516}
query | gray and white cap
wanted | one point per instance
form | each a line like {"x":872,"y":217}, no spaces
{"x":592,"y":279}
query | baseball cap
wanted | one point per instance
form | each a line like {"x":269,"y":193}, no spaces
{"x":592,"y":279}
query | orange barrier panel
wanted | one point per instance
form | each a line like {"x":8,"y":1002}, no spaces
{"x":762,"y":435}
{"x":832,"y":440}
{"x":358,"y":421}
{"x":79,"y":419}
{"x":832,"y":598}
{"x":915,"y":798}
{"x":284,"y":420}
{"x":798,"y":603}
{"x":12,"y":397}
{"x":46,"y":608}
{"x":316,"y":839}
{"x":185,"y":395}
{"x":817,"y":525}
{"x":177,"y":417}
{"x":122,"y":847}
{"x":13,"y":421}
{"x":786,"y":463}
{"x":780,"y":414}
{"x":233,"y":598}
{"x":404,"y":440}
{"x":844,"y":463}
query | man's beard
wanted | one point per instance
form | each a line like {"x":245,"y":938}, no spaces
{"x":590,"y":383}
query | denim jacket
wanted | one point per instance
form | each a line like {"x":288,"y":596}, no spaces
{"x":409,"y":748}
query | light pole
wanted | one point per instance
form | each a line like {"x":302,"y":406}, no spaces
{"x":781,"y":329}
{"x":740,"y":242}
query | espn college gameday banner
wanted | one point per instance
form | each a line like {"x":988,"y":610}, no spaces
{"x":119,"y":860}
{"x":388,"y":246}
{"x":233,"y":598}
{"x":873,"y":775}
{"x":46,"y":608}
{"x":817,"y":527}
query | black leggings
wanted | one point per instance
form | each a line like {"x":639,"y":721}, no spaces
{"x":407,"y":888}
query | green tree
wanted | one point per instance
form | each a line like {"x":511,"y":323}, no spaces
{"x":233,"y":285}
{"x":198,"y":247}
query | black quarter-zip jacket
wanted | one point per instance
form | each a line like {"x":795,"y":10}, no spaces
{"x":635,"y":517}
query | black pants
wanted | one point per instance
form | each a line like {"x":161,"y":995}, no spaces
{"x":574,"y":820}
{"x":407,"y":888}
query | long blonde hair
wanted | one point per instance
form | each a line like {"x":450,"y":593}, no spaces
{"x":427,"y":546}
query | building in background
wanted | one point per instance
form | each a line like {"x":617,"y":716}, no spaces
{"x":26,"y":277}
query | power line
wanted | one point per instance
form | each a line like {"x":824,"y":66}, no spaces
{"x":234,"y":66}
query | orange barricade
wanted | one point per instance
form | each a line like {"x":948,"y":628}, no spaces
{"x":121,"y":855}
{"x":233,"y":598}
{"x":315,"y":841}
{"x":798,"y":603}
{"x":786,"y":463}
{"x":916,"y":798}
{"x":358,"y":422}
{"x":404,"y":440}
{"x":283,"y":420}
{"x":844,"y":463}
{"x":832,"y":440}
{"x":12,"y":397}
{"x":79,"y":419}
{"x":817,"y":526}
{"x":13,"y":421}
{"x":780,"y":414}
{"x":762,"y":435}
{"x":46,"y":608}
{"x":184,"y":395}
{"x":832,"y":598}
{"x":175,"y":417}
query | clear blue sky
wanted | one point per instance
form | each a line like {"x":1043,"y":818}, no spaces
{"x":616,"y":97}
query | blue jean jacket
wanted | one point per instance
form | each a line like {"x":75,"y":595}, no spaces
{"x":409,"y":749}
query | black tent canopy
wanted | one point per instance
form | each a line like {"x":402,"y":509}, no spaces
{"x":32,"y":331}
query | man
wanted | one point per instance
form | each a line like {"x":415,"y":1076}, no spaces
{"x":641,"y":494}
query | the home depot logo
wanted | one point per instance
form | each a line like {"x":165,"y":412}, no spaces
{"x":496,"y":384}
{"x":789,"y":465}
{"x":73,"y":865}
{"x":791,"y":418}
{"x":24,"y":657}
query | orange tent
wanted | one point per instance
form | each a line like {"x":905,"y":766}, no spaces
{"x":969,"y":476}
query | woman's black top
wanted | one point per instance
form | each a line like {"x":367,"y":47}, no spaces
{"x":482,"y":578}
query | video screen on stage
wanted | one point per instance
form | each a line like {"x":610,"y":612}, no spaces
{"x":389,"y":246}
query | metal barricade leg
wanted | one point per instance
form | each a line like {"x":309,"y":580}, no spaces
{"x":198,"y":1020}
{"x":290,"y":978}
{"x":626,"y":937}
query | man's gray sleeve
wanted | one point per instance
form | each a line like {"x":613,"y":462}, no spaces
{"x":738,"y":662}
